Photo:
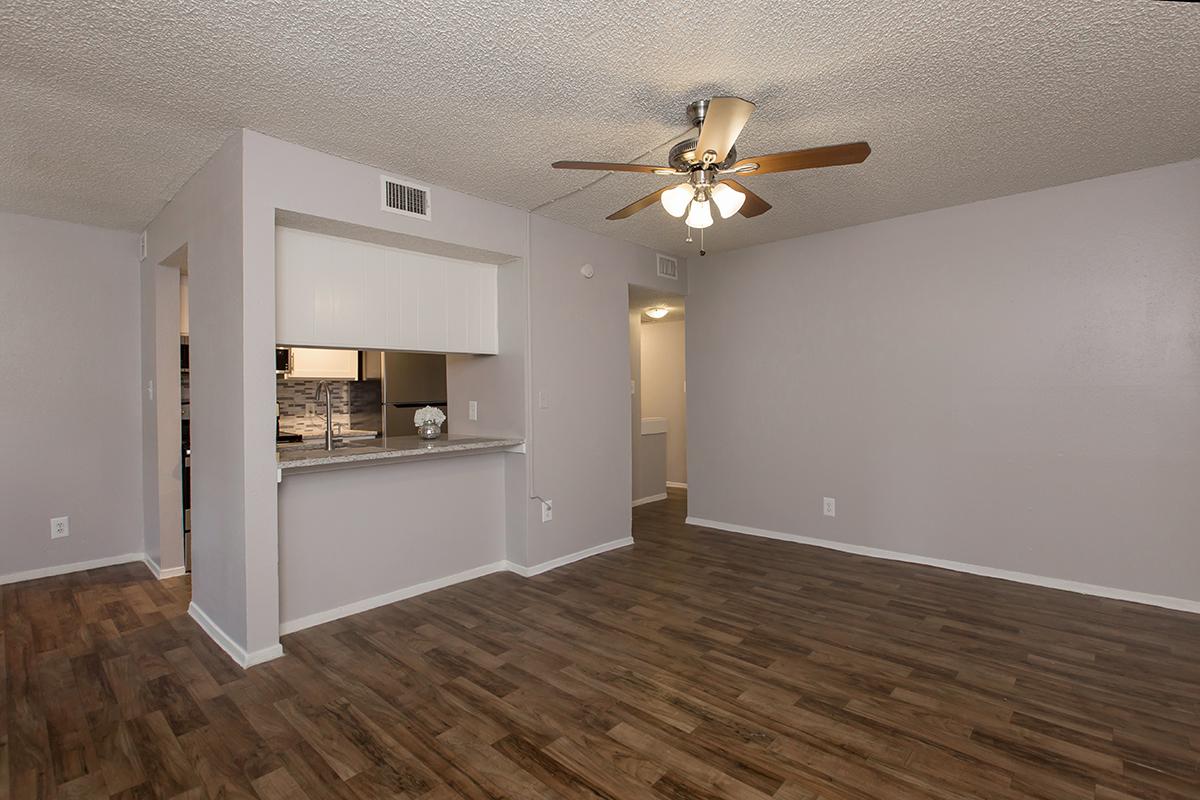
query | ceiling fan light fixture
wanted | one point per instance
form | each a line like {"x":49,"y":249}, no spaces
{"x":657,"y":312}
{"x":700,"y":215}
{"x":728,"y":200}
{"x":675,"y":200}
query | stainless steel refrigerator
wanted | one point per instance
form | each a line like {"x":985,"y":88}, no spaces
{"x":409,"y":381}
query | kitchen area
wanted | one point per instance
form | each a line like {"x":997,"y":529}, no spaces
{"x":373,"y":339}
{"x":343,"y":406}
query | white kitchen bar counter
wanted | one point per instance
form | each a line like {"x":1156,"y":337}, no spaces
{"x":389,"y":450}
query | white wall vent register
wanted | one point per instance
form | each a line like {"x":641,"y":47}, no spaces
{"x":405,"y":198}
{"x":668,"y":267}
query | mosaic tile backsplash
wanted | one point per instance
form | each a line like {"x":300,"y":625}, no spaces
{"x":355,"y":405}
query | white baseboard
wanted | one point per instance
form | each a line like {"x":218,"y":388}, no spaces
{"x":1163,"y":601}
{"x":163,"y":574}
{"x":546,"y":566}
{"x":366,"y":604}
{"x":226,"y":643}
{"x":63,"y":569}
{"x":654,"y":498}
{"x":676,"y":485}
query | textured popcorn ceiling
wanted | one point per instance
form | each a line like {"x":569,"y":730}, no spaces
{"x":106,"y":108}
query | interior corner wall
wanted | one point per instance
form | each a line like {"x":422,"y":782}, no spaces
{"x":580,"y":363}
{"x":1012,"y":384}
{"x":663,"y":375}
{"x":70,"y":417}
{"x":206,"y":216}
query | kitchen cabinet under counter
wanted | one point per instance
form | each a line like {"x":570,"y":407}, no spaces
{"x":389,"y":450}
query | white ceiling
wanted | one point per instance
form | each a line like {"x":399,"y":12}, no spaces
{"x":106,"y":108}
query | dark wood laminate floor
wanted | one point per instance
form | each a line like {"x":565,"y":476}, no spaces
{"x":695,"y":664}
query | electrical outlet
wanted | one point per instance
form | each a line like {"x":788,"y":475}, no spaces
{"x":310,"y":409}
{"x":547,"y":510}
{"x":60,"y":527}
{"x":830,"y":507}
{"x":472,"y":409}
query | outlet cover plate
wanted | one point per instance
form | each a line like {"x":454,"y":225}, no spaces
{"x":60,"y":527}
{"x":830,"y":507}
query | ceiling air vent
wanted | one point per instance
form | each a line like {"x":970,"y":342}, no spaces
{"x":668,"y":267}
{"x":405,"y":198}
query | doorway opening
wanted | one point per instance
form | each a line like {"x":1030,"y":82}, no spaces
{"x":658,"y":389}
{"x":166,"y":368}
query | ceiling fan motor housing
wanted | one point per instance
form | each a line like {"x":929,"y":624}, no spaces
{"x":683,"y":157}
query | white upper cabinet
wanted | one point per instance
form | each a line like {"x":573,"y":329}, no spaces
{"x":309,"y":362}
{"x":333,"y":292}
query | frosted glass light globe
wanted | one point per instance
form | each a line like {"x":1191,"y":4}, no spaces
{"x":728,"y":199}
{"x":675,"y":200}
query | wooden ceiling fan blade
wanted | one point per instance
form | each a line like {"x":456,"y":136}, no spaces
{"x":831,"y":156}
{"x":609,"y":167}
{"x":638,"y":205}
{"x":753,"y":205}
{"x":723,"y":121}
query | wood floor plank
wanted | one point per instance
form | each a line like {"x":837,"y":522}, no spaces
{"x":695,"y":664}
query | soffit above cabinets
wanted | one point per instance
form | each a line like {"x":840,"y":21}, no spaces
{"x":334,"y":292}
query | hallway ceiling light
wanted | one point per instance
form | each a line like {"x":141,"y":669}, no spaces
{"x":658,"y":312}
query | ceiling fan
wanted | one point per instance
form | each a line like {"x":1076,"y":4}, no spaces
{"x":709,"y":164}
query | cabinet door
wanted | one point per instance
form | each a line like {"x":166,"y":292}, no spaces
{"x":311,"y":362}
{"x":460,"y":285}
{"x":402,"y":293}
{"x":333,"y":292}
{"x":489,"y":310}
{"x":295,"y":288}
{"x":431,"y":314}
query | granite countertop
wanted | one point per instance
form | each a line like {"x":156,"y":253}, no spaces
{"x":387,"y":450}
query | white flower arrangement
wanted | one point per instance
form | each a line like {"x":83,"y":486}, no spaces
{"x":427,"y":415}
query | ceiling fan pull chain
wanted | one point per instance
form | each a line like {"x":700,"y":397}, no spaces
{"x":702,"y":241}
{"x":688,"y":240}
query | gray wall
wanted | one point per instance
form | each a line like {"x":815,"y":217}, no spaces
{"x":352,"y":534}
{"x":1013,"y":383}
{"x":70,"y":419}
{"x":663,"y":374}
{"x":206,"y":216}
{"x":650,"y":466}
{"x":580,"y":358}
